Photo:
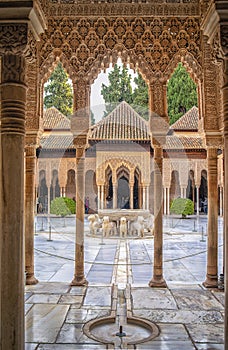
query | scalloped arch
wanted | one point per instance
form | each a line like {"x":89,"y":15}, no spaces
{"x":189,"y":62}
{"x":51,"y":63}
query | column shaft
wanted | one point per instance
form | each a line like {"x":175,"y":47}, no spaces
{"x":168,"y":200}
{"x":157,"y":280}
{"x":144,"y":197}
{"x":165,"y":201}
{"x":102,"y":196}
{"x":79,"y":277}
{"x":212,"y":244}
{"x":98,"y":197}
{"x":114,"y":196}
{"x":131,"y":196}
{"x":221,"y":200}
{"x":147,"y":198}
{"x":13,"y":99}
{"x":197,"y":200}
{"x":30,"y":167}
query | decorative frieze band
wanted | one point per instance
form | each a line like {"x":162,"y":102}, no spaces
{"x":60,"y":8}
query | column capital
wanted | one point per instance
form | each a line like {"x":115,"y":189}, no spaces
{"x":15,"y":17}
{"x":213,"y":139}
{"x":32,"y":138}
{"x":81,"y":142}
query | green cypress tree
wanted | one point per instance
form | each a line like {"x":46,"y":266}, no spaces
{"x":141,"y":97}
{"x":181,"y":93}
{"x":58,"y":92}
{"x":119,"y":88}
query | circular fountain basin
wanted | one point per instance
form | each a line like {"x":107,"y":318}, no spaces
{"x":136,"y":330}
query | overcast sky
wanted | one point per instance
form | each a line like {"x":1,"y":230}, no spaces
{"x":97,"y":101}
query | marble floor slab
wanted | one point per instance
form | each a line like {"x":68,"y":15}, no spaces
{"x":207,"y":333}
{"x":153,"y":299}
{"x":167,"y":345}
{"x":43,"y":322}
{"x":196,"y":299}
{"x":181,"y":316}
{"x":43,"y":299}
{"x":209,"y":346}
{"x":71,"y":347}
{"x":99,"y":296}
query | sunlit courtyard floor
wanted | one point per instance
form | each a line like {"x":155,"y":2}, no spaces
{"x":188,"y":315}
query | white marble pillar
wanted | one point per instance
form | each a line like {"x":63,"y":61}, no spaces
{"x":165,"y":200}
{"x":98,"y":197}
{"x":144,"y":197}
{"x":114,"y":196}
{"x":221,"y":201}
{"x":197,"y":200}
{"x":49,"y":199}
{"x":131,"y":196}
{"x":147,"y":197}
{"x":102,"y":196}
{"x":168,"y":200}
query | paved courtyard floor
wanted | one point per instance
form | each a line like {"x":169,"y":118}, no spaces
{"x":187,"y":315}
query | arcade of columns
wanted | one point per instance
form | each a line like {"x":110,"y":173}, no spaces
{"x":153,"y":37}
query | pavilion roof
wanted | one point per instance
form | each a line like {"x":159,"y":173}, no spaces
{"x":123,"y":123}
{"x":188,"y":122}
{"x":54,"y":119}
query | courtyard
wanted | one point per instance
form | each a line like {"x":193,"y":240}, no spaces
{"x":188,"y":316}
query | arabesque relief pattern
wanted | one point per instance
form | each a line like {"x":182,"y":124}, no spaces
{"x":88,"y":44}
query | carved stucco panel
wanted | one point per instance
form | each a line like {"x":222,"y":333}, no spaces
{"x":150,"y":42}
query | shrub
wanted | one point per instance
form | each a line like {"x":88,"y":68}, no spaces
{"x":63,"y":206}
{"x":182,"y":206}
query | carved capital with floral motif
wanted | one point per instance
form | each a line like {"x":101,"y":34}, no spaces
{"x":214,"y":140}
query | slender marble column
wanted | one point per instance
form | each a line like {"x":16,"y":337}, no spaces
{"x":144,"y":197}
{"x":13,"y":99}
{"x":197,"y":200}
{"x":79,"y":276}
{"x":168,"y":200}
{"x":140,"y":196}
{"x":147,"y":197}
{"x":102,"y":196}
{"x":131,"y":196}
{"x":30,"y":167}
{"x":212,"y":243}
{"x":165,"y":200}
{"x":114,"y":196}
{"x":158,"y":280}
{"x":221,"y":201}
{"x":98,"y":197}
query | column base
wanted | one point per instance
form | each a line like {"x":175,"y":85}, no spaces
{"x":30,"y":280}
{"x":79,"y":281}
{"x":211,"y":282}
{"x":157,"y":283}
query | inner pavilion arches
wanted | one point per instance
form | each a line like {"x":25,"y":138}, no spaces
{"x":123,"y":190}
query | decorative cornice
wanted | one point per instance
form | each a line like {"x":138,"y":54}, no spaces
{"x":61,"y":8}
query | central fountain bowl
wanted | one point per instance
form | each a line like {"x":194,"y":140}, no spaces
{"x":135,"y":331}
